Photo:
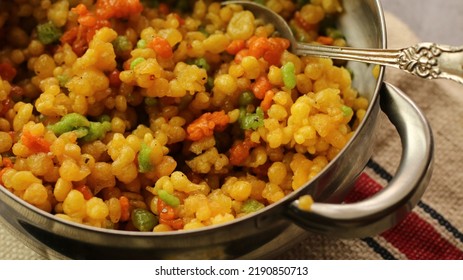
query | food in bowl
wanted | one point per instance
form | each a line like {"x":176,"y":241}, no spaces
{"x":158,"y":116}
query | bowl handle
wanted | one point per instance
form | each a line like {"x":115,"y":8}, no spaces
{"x":389,"y":206}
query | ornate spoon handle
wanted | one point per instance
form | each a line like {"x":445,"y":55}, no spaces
{"x":426,"y":60}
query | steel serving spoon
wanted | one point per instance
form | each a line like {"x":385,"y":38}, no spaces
{"x":425,"y":60}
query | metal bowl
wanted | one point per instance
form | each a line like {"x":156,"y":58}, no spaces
{"x":276,"y":227}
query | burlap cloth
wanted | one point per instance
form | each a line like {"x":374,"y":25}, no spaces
{"x":435,"y":228}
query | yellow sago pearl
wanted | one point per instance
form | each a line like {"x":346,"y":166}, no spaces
{"x":272,"y":193}
{"x":6,"y":142}
{"x":62,"y":189}
{"x":251,"y":67}
{"x":96,"y":208}
{"x":21,"y":180}
{"x":75,"y":205}
{"x":305,"y":202}
{"x":225,"y":84}
{"x":277,"y":173}
{"x":241,"y":25}
{"x":35,"y":194}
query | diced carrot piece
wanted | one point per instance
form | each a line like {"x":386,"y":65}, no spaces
{"x":174,"y":224}
{"x":240,"y":55}
{"x":85,"y":190}
{"x":125,"y":208}
{"x":325,"y":40}
{"x":267,"y":101}
{"x":6,"y":162}
{"x":206,"y":124}
{"x":302,"y":22}
{"x":258,"y":46}
{"x":162,"y":47}
{"x":260,"y":87}
{"x":36,"y":144}
{"x":6,"y":105}
{"x":106,"y":9}
{"x":236,"y":46}
{"x":240,"y":151}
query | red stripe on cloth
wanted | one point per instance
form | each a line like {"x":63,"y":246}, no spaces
{"x":414,"y":237}
{"x":364,"y":188}
{"x":418,"y":240}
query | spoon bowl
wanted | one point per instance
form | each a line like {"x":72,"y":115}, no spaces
{"x":425,"y":60}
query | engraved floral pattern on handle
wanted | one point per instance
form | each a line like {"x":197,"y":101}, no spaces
{"x":421,"y":60}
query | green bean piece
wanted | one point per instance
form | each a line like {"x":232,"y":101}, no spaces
{"x":251,"y":121}
{"x":201,"y":62}
{"x":143,"y":219}
{"x":48,"y":33}
{"x":246,"y":97}
{"x":144,"y":159}
{"x":151,"y":101}
{"x":68,"y":123}
{"x":168,"y":198}
{"x":288,"y":73}
{"x":122,"y":44}
{"x":141,"y":44}
{"x":81,"y":132}
{"x":136,"y":61}
{"x":210,"y":83}
{"x":96,"y":131}
{"x":62,"y":80}
{"x":334,"y":33}
{"x":104,"y":118}
{"x":347,"y":111}
{"x":251,"y":205}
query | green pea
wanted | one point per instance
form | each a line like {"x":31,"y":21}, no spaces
{"x":141,"y":44}
{"x":168,"y":198}
{"x":151,"y":101}
{"x":62,"y":79}
{"x":251,"y":121}
{"x":48,"y":33}
{"x":210,"y":83}
{"x":288,"y":73}
{"x":122,"y":44}
{"x":143,"y":219}
{"x":251,"y":205}
{"x":201,"y":62}
{"x":334,"y":33}
{"x":144,"y":159}
{"x":246,"y":97}
{"x":104,"y":118}
{"x":347,"y":111}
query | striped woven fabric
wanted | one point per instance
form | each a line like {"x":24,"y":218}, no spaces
{"x":424,"y":234}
